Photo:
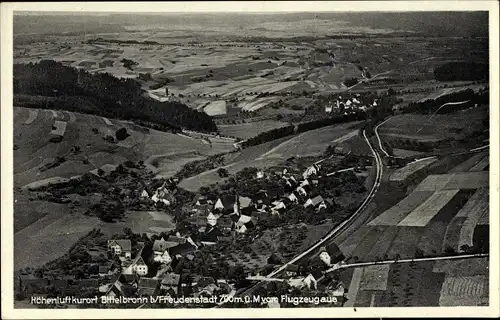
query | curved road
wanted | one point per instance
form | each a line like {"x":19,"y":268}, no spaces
{"x":340,"y":228}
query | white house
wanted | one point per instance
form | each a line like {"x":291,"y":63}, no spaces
{"x":328,"y":109}
{"x":137,"y":267}
{"x":278,"y":205}
{"x":317,"y":202}
{"x":325,"y":257}
{"x":348,"y":103}
{"x":144,"y":194}
{"x":292,"y":197}
{"x":356,"y":101}
{"x":302,"y":191}
{"x":309,"y":282}
{"x":120,"y":247}
{"x":160,"y":251}
{"x":212,"y":219}
{"x":314,"y":169}
{"x":260,"y":175}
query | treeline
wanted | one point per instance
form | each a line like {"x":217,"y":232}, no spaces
{"x":302,"y":127}
{"x":122,"y":41}
{"x":461,"y":71}
{"x":104,"y":95}
{"x":268,"y":136}
{"x":306,"y":126}
{"x":468,"y":97}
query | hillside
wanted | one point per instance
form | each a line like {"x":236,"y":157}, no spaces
{"x":101,"y":94}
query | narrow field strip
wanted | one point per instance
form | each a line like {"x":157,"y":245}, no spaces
{"x":411,"y":168}
{"x":395,"y":214}
{"x":354,"y":287}
{"x":481,"y":164}
{"x":467,"y":164}
{"x":427,"y":210}
{"x":473,"y":210}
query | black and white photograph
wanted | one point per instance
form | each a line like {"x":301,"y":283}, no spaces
{"x":271,"y":158}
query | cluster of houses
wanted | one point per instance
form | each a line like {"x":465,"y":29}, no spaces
{"x":349,"y":105}
{"x":216,"y":217}
{"x":137,"y":272}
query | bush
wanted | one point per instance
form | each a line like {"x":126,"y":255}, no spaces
{"x":121,"y":134}
{"x":223,"y":173}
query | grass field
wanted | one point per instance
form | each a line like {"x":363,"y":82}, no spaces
{"x":395,"y":214}
{"x":469,"y":163}
{"x":34,"y":147}
{"x":421,"y":215}
{"x":310,"y":143}
{"x":436,"y":128}
{"x":463,"y":180}
{"x":403,"y":173}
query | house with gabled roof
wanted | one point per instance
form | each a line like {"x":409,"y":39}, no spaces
{"x":303,"y":190}
{"x":115,"y":290}
{"x":212,"y":219}
{"x":245,"y":223}
{"x":317,"y":202}
{"x":226,"y":204}
{"x":225,"y":223}
{"x":211,"y":236}
{"x":170,"y":283}
{"x":148,"y":286}
{"x":182,"y":249}
{"x":120,"y":247}
{"x":312,"y":170}
{"x":160,"y":252}
{"x":138,"y":266}
{"x":293,"y":197}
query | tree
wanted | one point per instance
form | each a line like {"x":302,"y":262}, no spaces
{"x":223,"y":173}
{"x":121,"y":134}
{"x":100,"y":172}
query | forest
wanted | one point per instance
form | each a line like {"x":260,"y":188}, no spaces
{"x":461,"y":71}
{"x":104,"y":95}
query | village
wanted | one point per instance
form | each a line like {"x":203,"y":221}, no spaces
{"x":181,"y":263}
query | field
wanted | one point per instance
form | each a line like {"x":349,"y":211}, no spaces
{"x":428,"y":209}
{"x":310,"y":143}
{"x":470,"y":163}
{"x":472,"y":211}
{"x":35,"y":149}
{"x":440,"y":283}
{"x":439,"y":127}
{"x":463,"y":180}
{"x":411,"y":168}
{"x":38,"y":224}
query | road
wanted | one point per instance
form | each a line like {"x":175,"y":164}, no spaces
{"x":340,"y":228}
{"x":365,"y":264}
{"x":378,"y":137}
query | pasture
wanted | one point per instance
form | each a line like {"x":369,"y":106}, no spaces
{"x":411,"y":168}
{"x":35,"y":149}
{"x":438,"y":127}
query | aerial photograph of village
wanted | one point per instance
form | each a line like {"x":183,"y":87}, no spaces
{"x":251,"y":160}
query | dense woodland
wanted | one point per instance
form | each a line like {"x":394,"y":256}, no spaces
{"x":461,"y":71}
{"x":103,"y":94}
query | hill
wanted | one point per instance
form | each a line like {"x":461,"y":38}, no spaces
{"x":101,"y":94}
